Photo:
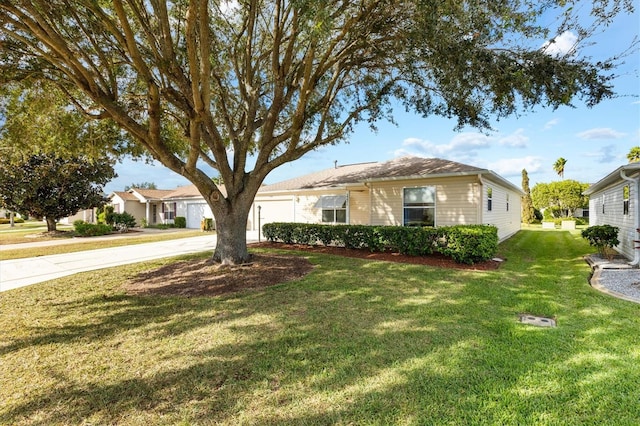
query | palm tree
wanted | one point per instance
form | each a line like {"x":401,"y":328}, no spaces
{"x":634,"y":154}
{"x":558,"y":166}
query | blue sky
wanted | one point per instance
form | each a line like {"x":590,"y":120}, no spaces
{"x":594,"y":141}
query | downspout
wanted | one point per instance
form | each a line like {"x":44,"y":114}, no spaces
{"x":636,"y":224}
{"x":481,"y":200}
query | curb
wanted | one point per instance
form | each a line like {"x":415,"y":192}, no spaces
{"x":594,"y":281}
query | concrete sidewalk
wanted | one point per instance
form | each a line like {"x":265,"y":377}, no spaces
{"x":22,"y":272}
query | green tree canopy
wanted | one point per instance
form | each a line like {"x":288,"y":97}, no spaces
{"x":561,"y":197}
{"x":37,"y":118}
{"x":634,"y":154}
{"x":46,"y":186}
{"x":264,"y":82}
{"x":141,"y":185}
{"x":558,"y":166}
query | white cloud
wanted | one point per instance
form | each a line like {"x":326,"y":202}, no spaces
{"x":551,"y":123}
{"x":601,"y":133}
{"x":517,"y":139}
{"x":562,"y":45}
{"x":513,"y":166}
{"x":461,"y":143}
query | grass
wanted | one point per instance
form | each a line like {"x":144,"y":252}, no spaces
{"x":80,"y":244}
{"x":354,"y":342}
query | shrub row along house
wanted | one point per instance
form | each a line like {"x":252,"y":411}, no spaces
{"x":408,"y":191}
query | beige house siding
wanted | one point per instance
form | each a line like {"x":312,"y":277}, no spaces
{"x":134,"y":208}
{"x":301,"y":207}
{"x":305,"y":212}
{"x":456,"y":200}
{"x":359,"y":208}
{"x":271,"y":208}
{"x":612,"y":199}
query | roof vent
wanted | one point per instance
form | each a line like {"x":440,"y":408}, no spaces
{"x":335,"y":164}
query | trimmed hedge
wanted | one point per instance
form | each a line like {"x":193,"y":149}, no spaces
{"x":180,"y":222}
{"x":84,"y":229}
{"x":6,"y":220}
{"x":463,"y":243}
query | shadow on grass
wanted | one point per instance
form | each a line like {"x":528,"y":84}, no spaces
{"x":354,"y":342}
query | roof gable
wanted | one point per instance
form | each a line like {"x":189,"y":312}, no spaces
{"x":124,"y":195}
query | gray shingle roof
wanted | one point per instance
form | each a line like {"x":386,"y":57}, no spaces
{"x":404,"y":167}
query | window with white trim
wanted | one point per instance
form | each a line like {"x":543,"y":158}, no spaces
{"x":334,"y":208}
{"x":625,"y":199}
{"x":169,"y":210}
{"x":419,"y":206}
{"x":489,"y":199}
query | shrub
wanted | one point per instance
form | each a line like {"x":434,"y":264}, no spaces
{"x":603,"y":237}
{"x":125,"y":219}
{"x":84,"y":229}
{"x":180,"y":222}
{"x":105,"y":215}
{"x":4,"y":221}
{"x":469,"y":243}
{"x":464,"y":243}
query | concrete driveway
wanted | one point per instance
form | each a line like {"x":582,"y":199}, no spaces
{"x":22,"y":272}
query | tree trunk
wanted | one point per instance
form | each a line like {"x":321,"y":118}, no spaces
{"x":231,"y":231}
{"x":51,"y":224}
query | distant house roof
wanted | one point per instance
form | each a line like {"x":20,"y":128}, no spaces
{"x":613,"y":177}
{"x":125,"y":195}
{"x":187,"y":191}
{"x":152,"y":194}
{"x":409,"y":167}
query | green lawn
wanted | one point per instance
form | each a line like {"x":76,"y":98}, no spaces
{"x":354,"y":342}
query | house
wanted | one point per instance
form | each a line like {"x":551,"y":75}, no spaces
{"x":615,"y":200}
{"x":408,"y":191}
{"x":151,"y":205}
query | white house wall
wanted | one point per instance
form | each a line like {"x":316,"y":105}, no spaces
{"x":508,"y":220}
{"x":193,"y":211}
{"x":612,"y":200}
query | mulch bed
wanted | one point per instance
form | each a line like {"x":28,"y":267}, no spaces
{"x":196,"y":278}
{"x":435,"y":259}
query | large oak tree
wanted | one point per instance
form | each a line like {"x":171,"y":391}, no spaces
{"x":247,"y":86}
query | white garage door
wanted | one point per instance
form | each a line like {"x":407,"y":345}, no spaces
{"x":275,"y":211}
{"x":195,"y":213}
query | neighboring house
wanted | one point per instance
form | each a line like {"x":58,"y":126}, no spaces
{"x":409,"y":191}
{"x":151,"y":205}
{"x":87,"y":215}
{"x":615,"y":200}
